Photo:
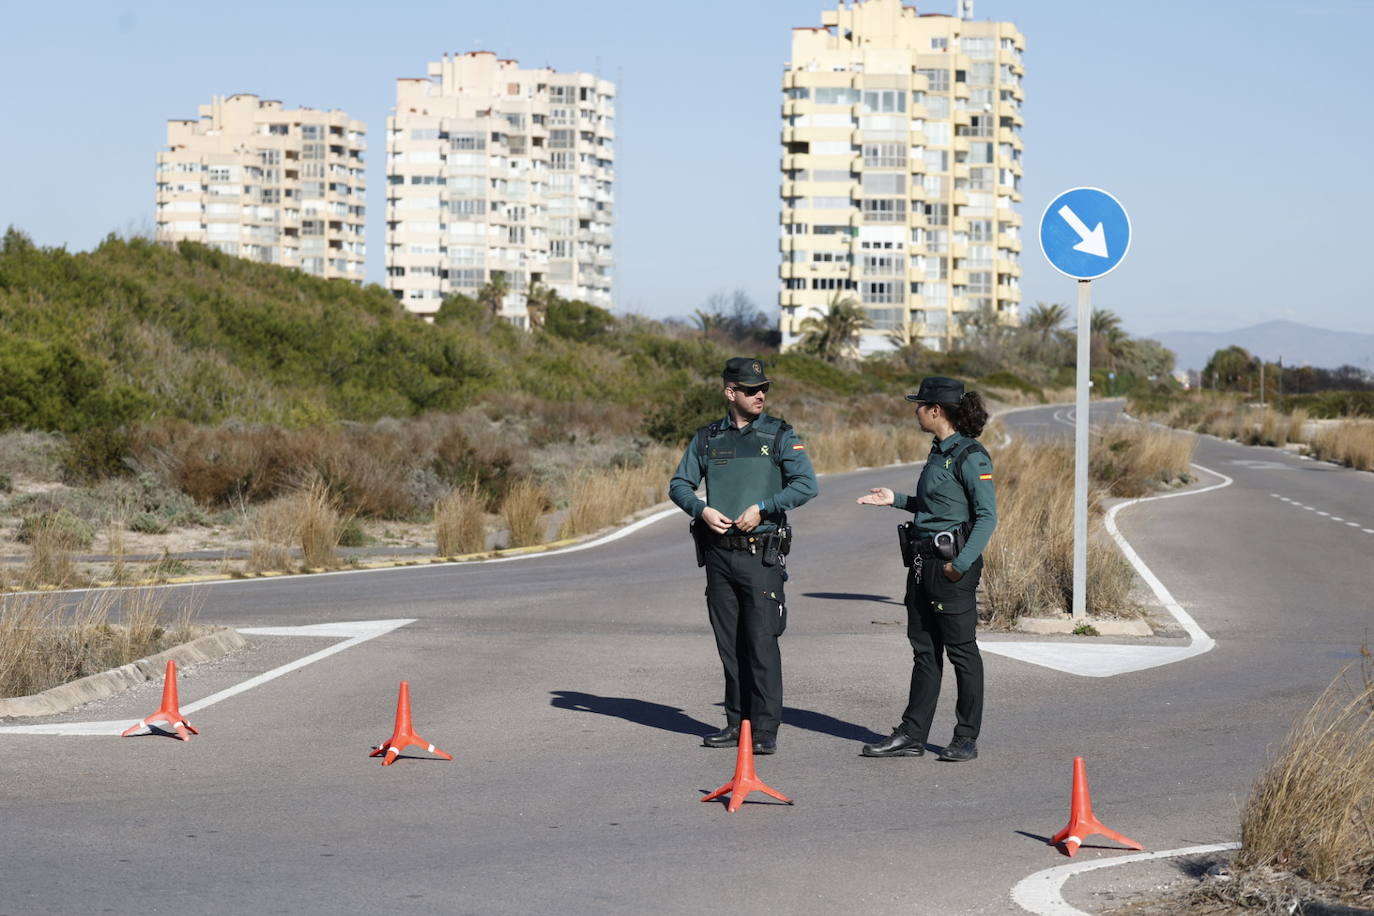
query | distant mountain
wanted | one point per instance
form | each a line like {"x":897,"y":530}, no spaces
{"x":1296,"y":344}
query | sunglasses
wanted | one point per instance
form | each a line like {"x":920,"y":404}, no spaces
{"x":750,"y":390}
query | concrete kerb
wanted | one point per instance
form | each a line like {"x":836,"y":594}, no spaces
{"x":104,"y":684}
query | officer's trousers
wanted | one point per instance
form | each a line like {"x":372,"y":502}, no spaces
{"x":748,"y":613}
{"x":942,"y":617}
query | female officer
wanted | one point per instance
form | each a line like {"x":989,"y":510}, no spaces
{"x":956,"y":512}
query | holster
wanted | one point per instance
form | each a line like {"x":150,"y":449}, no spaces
{"x":906,"y":542}
{"x":698,"y":532}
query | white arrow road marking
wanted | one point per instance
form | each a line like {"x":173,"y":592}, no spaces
{"x":354,"y":633}
{"x":1111,"y":660}
{"x":1093,"y":242}
{"x":1041,"y":893}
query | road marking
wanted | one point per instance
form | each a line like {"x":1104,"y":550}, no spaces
{"x":1335,"y":518}
{"x":353,"y":632}
{"x":1111,"y":660}
{"x":1041,"y":893}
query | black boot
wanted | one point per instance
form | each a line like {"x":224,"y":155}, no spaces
{"x":898,"y":744}
{"x":726,"y":737}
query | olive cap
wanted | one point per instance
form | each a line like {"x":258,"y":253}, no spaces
{"x":744,"y":370}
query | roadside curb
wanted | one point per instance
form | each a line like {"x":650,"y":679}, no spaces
{"x":104,"y":684}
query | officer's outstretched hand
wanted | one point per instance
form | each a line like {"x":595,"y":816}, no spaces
{"x":749,"y":519}
{"x":715,"y":520}
{"x":878,"y":496}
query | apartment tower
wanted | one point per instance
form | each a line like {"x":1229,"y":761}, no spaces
{"x":901,"y":171}
{"x":499,"y":172}
{"x":267,"y":183}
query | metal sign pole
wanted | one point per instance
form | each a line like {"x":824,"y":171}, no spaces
{"x":1080,"y":462}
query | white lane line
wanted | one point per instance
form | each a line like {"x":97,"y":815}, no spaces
{"x":1335,"y":518}
{"x":1041,"y":893}
{"x":357,"y":631}
{"x":1111,"y":660}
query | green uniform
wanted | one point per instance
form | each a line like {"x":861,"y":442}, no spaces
{"x":942,"y":616}
{"x":762,"y":463}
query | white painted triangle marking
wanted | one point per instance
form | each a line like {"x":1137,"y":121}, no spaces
{"x":354,"y":633}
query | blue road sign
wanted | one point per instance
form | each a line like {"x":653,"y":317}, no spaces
{"x":1085,"y":233}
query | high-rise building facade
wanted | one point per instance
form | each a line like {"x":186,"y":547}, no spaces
{"x":499,"y":172}
{"x":901,"y":171}
{"x":272,"y":184}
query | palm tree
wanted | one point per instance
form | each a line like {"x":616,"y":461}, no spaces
{"x":1045,"y":319}
{"x":537,"y":302}
{"x":834,"y":335}
{"x":494,"y":291}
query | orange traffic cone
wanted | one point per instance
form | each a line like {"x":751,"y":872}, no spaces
{"x":404,"y":736}
{"x":169,"y":713}
{"x":745,"y":780}
{"x":1082,"y":822}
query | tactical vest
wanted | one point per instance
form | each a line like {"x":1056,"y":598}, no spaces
{"x":742,"y":470}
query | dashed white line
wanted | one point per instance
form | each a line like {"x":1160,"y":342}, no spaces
{"x":1335,"y":518}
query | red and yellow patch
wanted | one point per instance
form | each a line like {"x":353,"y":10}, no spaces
{"x":984,"y":476}
{"x":798,"y":447}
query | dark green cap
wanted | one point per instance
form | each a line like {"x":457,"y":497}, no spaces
{"x":744,"y":370}
{"x":936,"y":389}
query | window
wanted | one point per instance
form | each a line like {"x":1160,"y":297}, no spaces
{"x":937,"y":133}
{"x":980,"y":153}
{"x":980,"y":230}
{"x":560,"y":139}
{"x":880,"y":291}
{"x":939,"y":44}
{"x":981,"y":73}
{"x":937,"y":214}
{"x":832,"y":230}
{"x":937,"y":160}
{"x":796,"y":93}
{"x":977,"y":47}
{"x":827,"y":203}
{"x":937,"y":268}
{"x":832,"y":283}
{"x":830,"y":148}
{"x":830,"y":96}
{"x":980,"y":125}
{"x":884,"y":210}
{"x":467,"y":209}
{"x":933,"y":185}
{"x":937,"y":80}
{"x":828,"y":257}
{"x":884,"y":183}
{"x":794,"y":283}
{"x":885,"y":319}
{"x":884,"y":155}
{"x":884,"y":101}
{"x":882,"y":265}
{"x":978,"y":256}
{"x":827,"y":175}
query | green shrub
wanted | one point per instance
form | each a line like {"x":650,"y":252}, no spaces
{"x":809,"y":369}
{"x":96,"y":453}
{"x":1009,"y":382}
{"x":353,"y":535}
{"x":72,"y":531}
{"x":577,"y":320}
{"x":675,"y":422}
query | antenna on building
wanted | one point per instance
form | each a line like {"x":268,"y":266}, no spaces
{"x":965,"y":9}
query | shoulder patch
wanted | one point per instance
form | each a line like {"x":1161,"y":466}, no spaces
{"x":798,"y":447}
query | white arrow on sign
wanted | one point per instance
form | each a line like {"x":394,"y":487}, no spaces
{"x":1094,"y":242}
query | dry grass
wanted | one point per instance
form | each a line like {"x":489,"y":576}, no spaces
{"x":46,"y":640}
{"x":601,"y":498}
{"x":460,"y":523}
{"x":523,"y":512}
{"x":1133,"y":459}
{"x":1311,"y":812}
{"x":309,"y":518}
{"x":52,"y":542}
{"x":1349,"y":442}
{"x":843,"y":448}
{"x":1029,"y":563}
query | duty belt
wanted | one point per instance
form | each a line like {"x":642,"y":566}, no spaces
{"x":737,"y":541}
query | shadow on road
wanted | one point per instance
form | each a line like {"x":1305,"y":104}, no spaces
{"x":640,"y":712}
{"x":852,"y":596}
{"x":673,"y":719}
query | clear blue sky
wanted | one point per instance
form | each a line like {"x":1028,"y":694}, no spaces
{"x":1237,"y":134}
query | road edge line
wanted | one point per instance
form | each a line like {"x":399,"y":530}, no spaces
{"x":1040,"y":893}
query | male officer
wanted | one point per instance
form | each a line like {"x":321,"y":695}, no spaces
{"x":756,"y":469}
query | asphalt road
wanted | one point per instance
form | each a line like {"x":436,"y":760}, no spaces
{"x":572,"y":690}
